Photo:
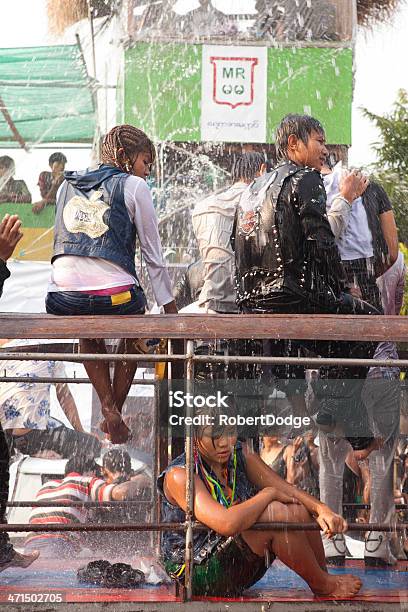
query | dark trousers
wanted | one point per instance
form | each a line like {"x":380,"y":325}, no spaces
{"x":6,"y":549}
{"x":338,"y":389}
{"x":361,"y":273}
{"x":64,"y":441}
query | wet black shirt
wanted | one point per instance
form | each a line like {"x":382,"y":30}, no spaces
{"x":287,"y":260}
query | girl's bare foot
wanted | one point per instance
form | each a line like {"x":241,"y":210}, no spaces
{"x":115,"y":428}
{"x":340,"y":587}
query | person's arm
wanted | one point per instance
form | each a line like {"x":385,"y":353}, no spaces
{"x":43,"y":183}
{"x":68,"y":405}
{"x":321,"y":252}
{"x":10,"y":235}
{"x":21,"y":194}
{"x":4,"y":197}
{"x":225,"y":521}
{"x":131,"y":489}
{"x":140,"y":205}
{"x":352,"y":186}
{"x":338,"y":216}
{"x":365,"y":477}
{"x":294,"y":471}
{"x":183,"y":294}
{"x":314,"y":456}
{"x":390,"y":233}
{"x":262,"y":476}
{"x":49,"y":195}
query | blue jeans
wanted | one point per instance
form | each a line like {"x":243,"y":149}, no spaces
{"x":68,"y":303}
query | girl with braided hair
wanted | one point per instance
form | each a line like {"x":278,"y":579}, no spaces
{"x":99,"y":213}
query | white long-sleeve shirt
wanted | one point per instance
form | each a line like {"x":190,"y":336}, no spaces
{"x":213,"y":220}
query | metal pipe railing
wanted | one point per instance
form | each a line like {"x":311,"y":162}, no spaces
{"x":135,"y":502}
{"x":190,"y":474}
{"x":306,"y":361}
{"x":189,"y":327}
{"x":278,"y":526}
{"x":67,"y":379}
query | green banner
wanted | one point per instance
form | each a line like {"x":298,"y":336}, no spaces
{"x":45,"y":218}
{"x":163,"y":90}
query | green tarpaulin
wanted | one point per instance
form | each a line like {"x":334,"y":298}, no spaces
{"x":47,"y":95}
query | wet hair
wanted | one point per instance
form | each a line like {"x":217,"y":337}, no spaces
{"x":57,"y":157}
{"x":117,"y":460}
{"x":247,"y":166}
{"x":8,"y":163}
{"x":81,"y":464}
{"x":214,"y":413}
{"x":299,"y":125}
{"x":129,"y":138}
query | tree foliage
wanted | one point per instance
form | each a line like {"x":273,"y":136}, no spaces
{"x":391,"y":168}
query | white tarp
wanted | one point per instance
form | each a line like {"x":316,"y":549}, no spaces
{"x":26,"y":288}
{"x":25,"y":291}
{"x":233,"y":93}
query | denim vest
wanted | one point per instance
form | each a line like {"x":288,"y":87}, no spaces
{"x":204,"y":542}
{"x":92,"y":220}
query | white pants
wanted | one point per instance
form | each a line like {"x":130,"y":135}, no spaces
{"x":382,"y":400}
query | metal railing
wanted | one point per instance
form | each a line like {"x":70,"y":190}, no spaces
{"x":196,"y":327}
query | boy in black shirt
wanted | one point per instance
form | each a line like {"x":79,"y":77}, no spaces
{"x":287,"y":261}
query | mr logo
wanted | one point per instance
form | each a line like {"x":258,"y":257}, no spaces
{"x":233,"y":80}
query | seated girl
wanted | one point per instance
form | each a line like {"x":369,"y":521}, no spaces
{"x":233,"y":489}
{"x":99,"y":215}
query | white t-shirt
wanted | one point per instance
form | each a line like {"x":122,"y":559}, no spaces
{"x":356,"y":242}
{"x":74,"y":273}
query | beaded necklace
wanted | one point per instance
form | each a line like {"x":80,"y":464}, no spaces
{"x":212,"y":484}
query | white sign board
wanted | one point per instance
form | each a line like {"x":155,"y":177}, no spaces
{"x":233,"y":94}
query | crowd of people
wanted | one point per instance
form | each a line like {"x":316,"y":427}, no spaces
{"x":300,"y":237}
{"x":15,"y":191}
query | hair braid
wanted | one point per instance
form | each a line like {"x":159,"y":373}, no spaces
{"x":129,"y":138}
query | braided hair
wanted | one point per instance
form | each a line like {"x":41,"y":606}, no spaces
{"x":129,"y":138}
{"x":246,"y":166}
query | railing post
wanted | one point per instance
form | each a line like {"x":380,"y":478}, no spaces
{"x":190,"y":476}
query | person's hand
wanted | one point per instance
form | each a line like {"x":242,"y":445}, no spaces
{"x":278,"y":495}
{"x":353,"y":184}
{"x":38,"y":207}
{"x":10,"y":235}
{"x":330,"y":522}
{"x":355,"y":291}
